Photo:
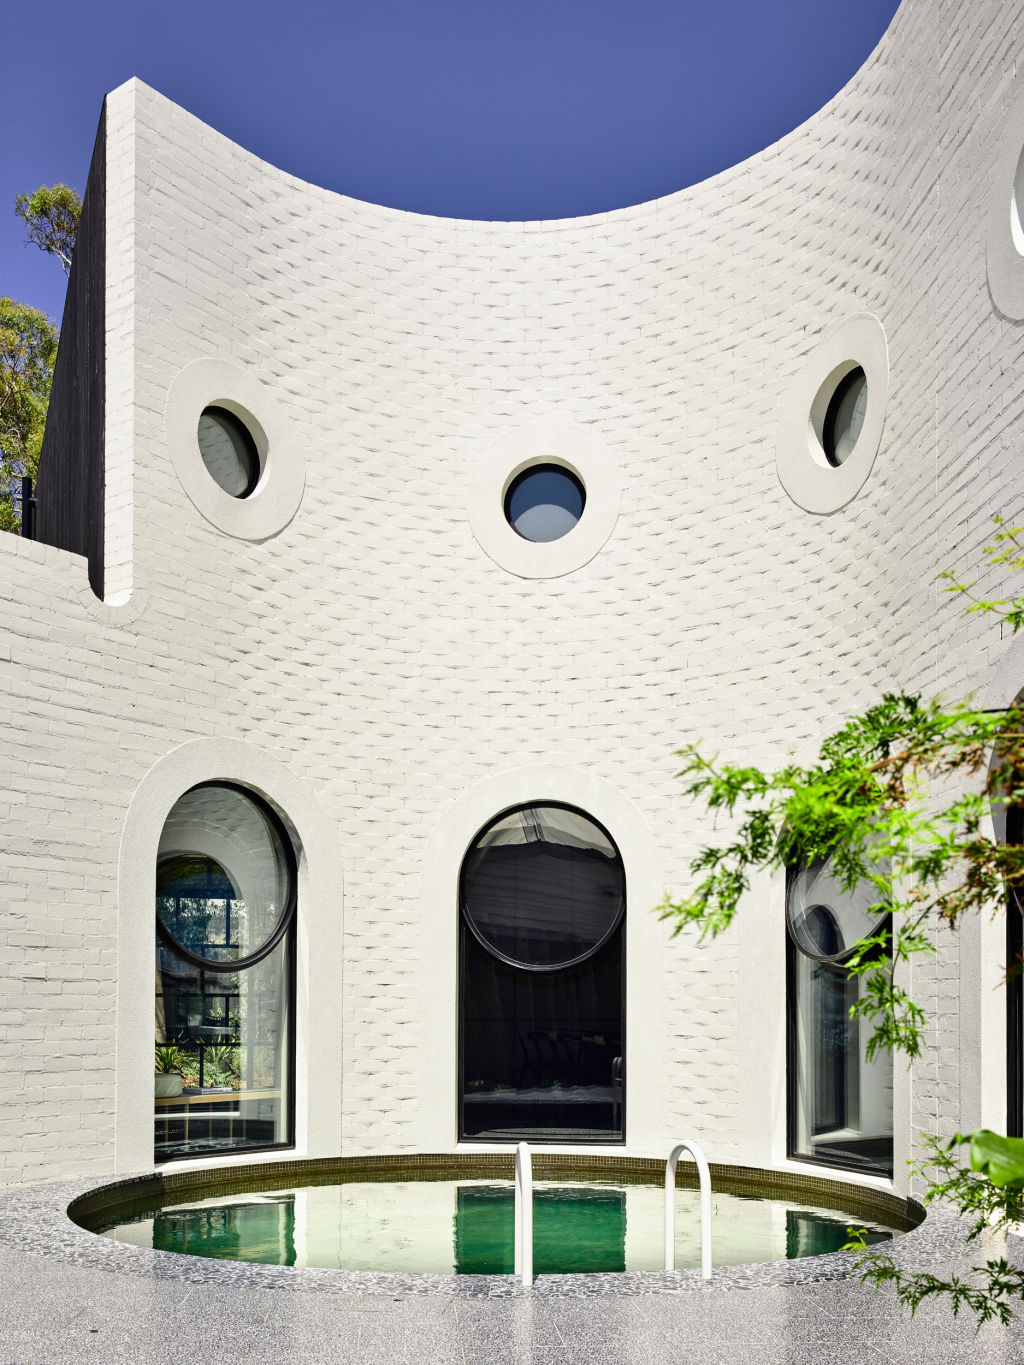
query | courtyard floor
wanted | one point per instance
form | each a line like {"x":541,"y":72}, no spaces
{"x":53,"y":1312}
{"x":70,"y":1296}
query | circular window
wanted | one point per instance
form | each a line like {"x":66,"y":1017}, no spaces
{"x":225,"y":879}
{"x":229,"y":451}
{"x":544,"y":502}
{"x":528,"y":491}
{"x":844,"y":417}
{"x":1016,"y":204}
{"x":832,"y":414}
{"x":826,"y":921}
{"x":543,"y":887}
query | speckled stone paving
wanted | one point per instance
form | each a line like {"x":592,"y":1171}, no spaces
{"x":69,"y":1295}
{"x":35,"y":1219}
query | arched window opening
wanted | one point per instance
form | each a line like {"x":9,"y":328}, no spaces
{"x":225,"y":916}
{"x":1014,"y":987}
{"x":840,"y":1102}
{"x":542,"y":980}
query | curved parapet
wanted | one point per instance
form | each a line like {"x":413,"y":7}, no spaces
{"x":770,"y":409}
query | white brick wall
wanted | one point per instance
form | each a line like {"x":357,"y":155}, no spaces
{"x":391,"y":665}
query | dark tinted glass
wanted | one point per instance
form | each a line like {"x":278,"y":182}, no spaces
{"x":228,"y":451}
{"x":543,"y":887}
{"x":845,"y":417}
{"x":1014,"y":988}
{"x":542,"y":982}
{"x":840,"y":1100}
{"x":544,"y":503}
{"x":542,"y":1052}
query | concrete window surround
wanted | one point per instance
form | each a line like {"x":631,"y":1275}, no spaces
{"x":211,"y":383}
{"x":320,"y":921}
{"x":544,"y":442}
{"x":1004,"y":254}
{"x":804,"y":469}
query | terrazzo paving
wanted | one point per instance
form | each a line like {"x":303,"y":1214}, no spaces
{"x":65,"y":1299}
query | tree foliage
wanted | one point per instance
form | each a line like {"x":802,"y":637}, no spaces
{"x":52,"y":214}
{"x":28,"y":349}
{"x":991,"y":1197}
{"x":898,"y":798}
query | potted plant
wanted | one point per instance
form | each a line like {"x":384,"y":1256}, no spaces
{"x":167,"y":1081}
{"x":220,"y":1067}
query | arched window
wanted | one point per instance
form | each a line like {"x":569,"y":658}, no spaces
{"x":1014,"y":988}
{"x":840,"y":1103}
{"x":542,"y":980}
{"x":225,"y":915}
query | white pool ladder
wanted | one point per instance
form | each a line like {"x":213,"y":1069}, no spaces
{"x":705,"y":1206}
{"x":524,"y":1215}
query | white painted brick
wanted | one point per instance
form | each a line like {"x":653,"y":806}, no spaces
{"x":373,"y":646}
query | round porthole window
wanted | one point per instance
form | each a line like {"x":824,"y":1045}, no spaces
{"x":225,"y":878}
{"x":832,"y":414}
{"x":229,"y":451}
{"x":844,"y":417}
{"x":544,"y":502}
{"x":825,"y":920}
{"x":543,"y":887}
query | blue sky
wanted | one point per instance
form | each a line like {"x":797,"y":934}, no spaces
{"x":465,"y":108}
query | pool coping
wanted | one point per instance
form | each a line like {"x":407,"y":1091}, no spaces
{"x":35,"y":1219}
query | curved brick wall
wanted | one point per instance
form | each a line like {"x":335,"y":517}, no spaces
{"x":373,"y":647}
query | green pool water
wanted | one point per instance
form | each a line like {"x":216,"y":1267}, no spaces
{"x":465,"y":1227}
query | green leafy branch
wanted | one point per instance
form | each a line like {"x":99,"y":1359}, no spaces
{"x":991,"y":1196}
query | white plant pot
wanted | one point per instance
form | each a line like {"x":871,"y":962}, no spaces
{"x":167,"y":1085}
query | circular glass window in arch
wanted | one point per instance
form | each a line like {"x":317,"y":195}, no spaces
{"x":225,"y":878}
{"x":543,"y":887}
{"x":844,"y":417}
{"x":826,"y":921}
{"x":544,"y":502}
{"x":229,"y":451}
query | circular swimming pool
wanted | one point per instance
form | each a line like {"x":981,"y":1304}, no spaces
{"x":445,"y":1215}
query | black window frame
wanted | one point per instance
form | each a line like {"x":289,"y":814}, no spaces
{"x":286,"y":931}
{"x":793,"y":1051}
{"x":1014,"y":833}
{"x":466,"y":931}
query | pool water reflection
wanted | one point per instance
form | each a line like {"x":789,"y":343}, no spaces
{"x":466,"y":1227}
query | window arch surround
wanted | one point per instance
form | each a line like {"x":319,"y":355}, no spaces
{"x":455,"y":828}
{"x":319,"y":920}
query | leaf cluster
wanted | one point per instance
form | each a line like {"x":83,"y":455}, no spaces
{"x":52,"y":214}
{"x":991,"y":1196}
{"x":896,"y":801}
{"x":28,"y":351}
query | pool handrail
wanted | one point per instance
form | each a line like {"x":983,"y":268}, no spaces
{"x":524,"y":1215}
{"x":705,"y":1206}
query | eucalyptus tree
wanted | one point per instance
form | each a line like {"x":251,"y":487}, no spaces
{"x":28,"y":348}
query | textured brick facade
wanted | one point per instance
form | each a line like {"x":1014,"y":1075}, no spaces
{"x":375,"y":650}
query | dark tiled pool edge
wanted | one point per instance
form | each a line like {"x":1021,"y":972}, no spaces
{"x":35,"y":1219}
